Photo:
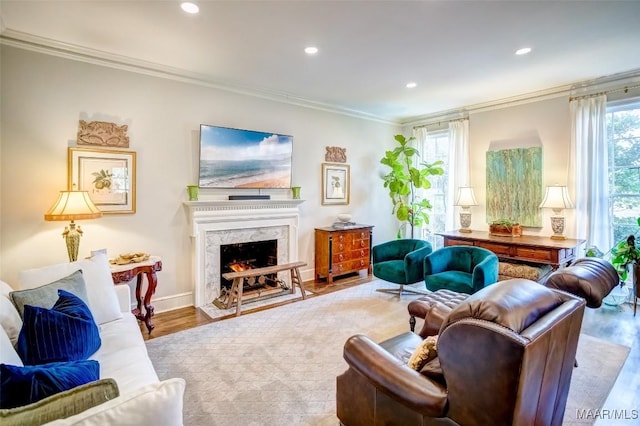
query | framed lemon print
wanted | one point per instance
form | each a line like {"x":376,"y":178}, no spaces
{"x":109,"y":176}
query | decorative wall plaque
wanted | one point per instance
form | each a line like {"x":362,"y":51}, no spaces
{"x":335,"y":154}
{"x":103,"y":133}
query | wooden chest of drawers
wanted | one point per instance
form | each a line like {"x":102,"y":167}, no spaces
{"x":342,"y":251}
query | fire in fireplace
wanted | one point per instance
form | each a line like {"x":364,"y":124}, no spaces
{"x":240,"y":257}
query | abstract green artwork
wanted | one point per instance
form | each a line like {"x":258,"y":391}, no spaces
{"x":514,"y":185}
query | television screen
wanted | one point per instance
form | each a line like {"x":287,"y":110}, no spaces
{"x":235,"y":158}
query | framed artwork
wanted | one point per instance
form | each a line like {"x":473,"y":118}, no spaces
{"x":514,"y":185}
{"x":335,"y":183}
{"x":109,"y":176}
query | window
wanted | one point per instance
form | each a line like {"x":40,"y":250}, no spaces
{"x":434,"y":148}
{"x":623,"y":139}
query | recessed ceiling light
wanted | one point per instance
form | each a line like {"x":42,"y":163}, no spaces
{"x":411,"y":85}
{"x":190,"y":7}
{"x":523,"y":51}
{"x":311,"y":50}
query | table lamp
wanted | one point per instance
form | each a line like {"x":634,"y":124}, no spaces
{"x":73,"y":205}
{"x":466,"y":199}
{"x":557,"y":198}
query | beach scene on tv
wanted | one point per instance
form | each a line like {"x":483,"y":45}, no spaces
{"x":235,"y":158}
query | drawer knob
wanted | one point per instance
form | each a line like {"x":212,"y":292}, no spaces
{"x":341,"y":246}
{"x":341,"y":257}
{"x":341,"y":238}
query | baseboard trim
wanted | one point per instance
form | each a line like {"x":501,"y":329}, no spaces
{"x":169,"y":303}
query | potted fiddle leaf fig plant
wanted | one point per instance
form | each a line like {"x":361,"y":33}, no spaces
{"x":404,"y":180}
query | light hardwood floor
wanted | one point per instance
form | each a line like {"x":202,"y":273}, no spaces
{"x":615,"y":324}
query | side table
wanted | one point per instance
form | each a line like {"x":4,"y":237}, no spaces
{"x":125,"y":273}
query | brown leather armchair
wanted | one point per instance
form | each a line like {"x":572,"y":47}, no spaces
{"x":505,"y":357}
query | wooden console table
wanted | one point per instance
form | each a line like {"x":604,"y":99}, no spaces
{"x":526,"y":248}
{"x":340,"y":251}
{"x":125,"y":273}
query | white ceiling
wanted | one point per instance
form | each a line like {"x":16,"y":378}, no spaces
{"x":459,"y":53}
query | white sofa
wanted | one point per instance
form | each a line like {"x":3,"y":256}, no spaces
{"x":143,"y":398}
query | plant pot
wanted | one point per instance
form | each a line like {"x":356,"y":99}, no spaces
{"x":514,"y":230}
{"x":295,"y":192}
{"x":193,"y":192}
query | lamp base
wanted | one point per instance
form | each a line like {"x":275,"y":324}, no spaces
{"x":465,"y":221}
{"x":557,"y":226}
{"x":72,"y":236}
{"x":465,"y":230}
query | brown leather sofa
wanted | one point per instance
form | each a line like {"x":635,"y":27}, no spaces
{"x":505,"y":357}
{"x":590,"y":278}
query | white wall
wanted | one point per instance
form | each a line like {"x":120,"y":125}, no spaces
{"x":43,"y":97}
{"x":545,"y":120}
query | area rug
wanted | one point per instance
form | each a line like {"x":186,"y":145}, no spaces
{"x":279,"y":366}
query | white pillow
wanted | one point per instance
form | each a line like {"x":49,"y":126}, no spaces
{"x":156,"y":404}
{"x":10,"y":319}
{"x":103,"y":301}
{"x":5,"y":288}
{"x":8,"y":354}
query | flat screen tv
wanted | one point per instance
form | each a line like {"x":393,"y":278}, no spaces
{"x":235,"y":158}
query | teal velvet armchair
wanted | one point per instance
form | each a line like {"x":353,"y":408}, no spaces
{"x":464,"y":269}
{"x":400,"y":262}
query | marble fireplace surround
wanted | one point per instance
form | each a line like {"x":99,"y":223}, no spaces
{"x":218,"y":222}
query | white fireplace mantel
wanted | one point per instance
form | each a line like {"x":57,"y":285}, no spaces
{"x":215,"y":222}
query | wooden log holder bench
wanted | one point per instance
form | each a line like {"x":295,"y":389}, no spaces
{"x":239,"y":277}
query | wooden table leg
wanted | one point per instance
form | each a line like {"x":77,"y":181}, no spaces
{"x":152,"y":283}
{"x":296,"y":280}
{"x":138,"y":310}
{"x":239,"y":284}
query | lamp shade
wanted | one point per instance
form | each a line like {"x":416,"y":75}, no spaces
{"x":73,"y":205}
{"x":556,"y":197}
{"x":466,"y":197}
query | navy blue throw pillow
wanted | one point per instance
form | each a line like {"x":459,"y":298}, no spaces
{"x":31,"y":383}
{"x":66,"y":332}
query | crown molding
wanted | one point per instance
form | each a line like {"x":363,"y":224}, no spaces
{"x":614,"y":82}
{"x":604,"y":84}
{"x":47,"y":46}
{"x":96,"y":57}
{"x":463,"y":112}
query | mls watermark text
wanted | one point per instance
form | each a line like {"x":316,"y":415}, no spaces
{"x":605,"y":414}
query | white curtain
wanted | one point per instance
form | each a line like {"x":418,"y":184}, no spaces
{"x":458,"y":166}
{"x":588,"y":170}
{"x":421,"y":135}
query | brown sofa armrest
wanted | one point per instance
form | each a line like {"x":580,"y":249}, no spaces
{"x":394,"y":378}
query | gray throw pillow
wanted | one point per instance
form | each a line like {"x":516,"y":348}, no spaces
{"x":46,"y":295}
{"x":61,"y":405}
